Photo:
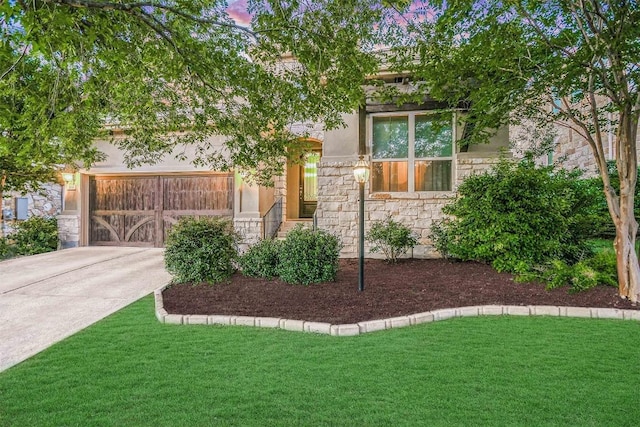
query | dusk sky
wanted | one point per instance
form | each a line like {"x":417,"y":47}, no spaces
{"x":238,"y":11}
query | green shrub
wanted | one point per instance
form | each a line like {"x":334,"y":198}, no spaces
{"x":518,"y":215}
{"x":583,"y":277}
{"x":441,"y":236}
{"x":261,"y":260}
{"x":606,"y":266}
{"x":201,"y":250}
{"x":7,"y":249}
{"x":392,"y":238}
{"x":579,"y":277}
{"x":554,"y":274}
{"x":599,"y":269}
{"x":308,"y":256}
{"x":36,"y":235}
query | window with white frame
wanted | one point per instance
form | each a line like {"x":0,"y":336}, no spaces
{"x":412,"y":152}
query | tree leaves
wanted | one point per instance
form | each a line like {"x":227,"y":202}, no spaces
{"x":178,"y":73}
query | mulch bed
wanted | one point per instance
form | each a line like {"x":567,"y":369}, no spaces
{"x":408,"y":287}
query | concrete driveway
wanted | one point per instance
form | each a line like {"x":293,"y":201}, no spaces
{"x":46,"y":298}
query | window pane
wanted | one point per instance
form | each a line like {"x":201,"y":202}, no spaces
{"x":433,"y":175}
{"x":310,"y":183}
{"x":434,"y":136}
{"x":390,"y":137}
{"x":389,"y":176}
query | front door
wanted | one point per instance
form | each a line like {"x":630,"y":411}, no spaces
{"x":309,"y":185}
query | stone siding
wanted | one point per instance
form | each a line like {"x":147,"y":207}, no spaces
{"x":69,"y":231}
{"x":573,"y":152}
{"x":250,"y":230}
{"x":570,"y":150}
{"x":337,"y":210}
{"x":47,"y":202}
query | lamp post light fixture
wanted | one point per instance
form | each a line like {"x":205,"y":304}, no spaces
{"x":361,"y":174}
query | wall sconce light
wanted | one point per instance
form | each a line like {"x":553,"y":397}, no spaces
{"x":69,"y":180}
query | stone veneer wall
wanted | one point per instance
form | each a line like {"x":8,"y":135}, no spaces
{"x":572,"y":151}
{"x":338,"y":204}
{"x":47,"y":202}
{"x":250,"y":230}
{"x":69,"y":231}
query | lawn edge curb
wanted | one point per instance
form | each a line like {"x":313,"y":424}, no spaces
{"x":368,"y":326}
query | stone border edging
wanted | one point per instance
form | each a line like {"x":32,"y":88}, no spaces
{"x":391,"y":323}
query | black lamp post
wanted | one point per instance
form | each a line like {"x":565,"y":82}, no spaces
{"x":361,"y":174}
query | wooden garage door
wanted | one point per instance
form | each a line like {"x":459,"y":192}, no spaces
{"x":138,"y":211}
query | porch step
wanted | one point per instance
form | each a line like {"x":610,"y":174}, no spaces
{"x":287,"y":226}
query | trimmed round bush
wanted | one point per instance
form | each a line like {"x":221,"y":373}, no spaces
{"x":308,"y":256}
{"x":261,"y":260}
{"x":201,"y":250}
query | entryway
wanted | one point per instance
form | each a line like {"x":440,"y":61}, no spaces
{"x":308,"y":185}
{"x":302,"y":184}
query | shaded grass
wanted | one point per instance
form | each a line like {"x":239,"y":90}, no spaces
{"x":606,"y":245}
{"x":131,"y":370}
{"x":602,"y":245}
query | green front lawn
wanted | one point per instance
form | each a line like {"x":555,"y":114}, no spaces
{"x":130,"y":370}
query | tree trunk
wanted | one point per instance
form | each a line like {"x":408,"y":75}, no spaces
{"x":622,"y":208}
{"x":627,"y":259}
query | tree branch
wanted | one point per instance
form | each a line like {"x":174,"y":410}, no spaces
{"x":585,"y":35}
{"x":15,"y":64}
{"x":545,"y":39}
{"x":129,"y":7}
{"x":594,"y":113}
{"x":598,"y":153}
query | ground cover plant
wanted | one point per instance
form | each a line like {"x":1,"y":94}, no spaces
{"x":597,"y":267}
{"x":130,"y":369}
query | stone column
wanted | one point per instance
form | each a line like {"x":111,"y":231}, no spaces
{"x":246,"y":217}
{"x":69,"y":219}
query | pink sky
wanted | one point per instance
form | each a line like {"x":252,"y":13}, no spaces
{"x":238,"y":12}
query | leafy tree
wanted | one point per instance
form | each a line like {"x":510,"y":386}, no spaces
{"x":44,"y":124}
{"x":173,"y":73}
{"x":573,"y":63}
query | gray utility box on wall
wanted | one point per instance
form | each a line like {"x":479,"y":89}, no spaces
{"x":22,"y":208}
{"x":7,"y":214}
